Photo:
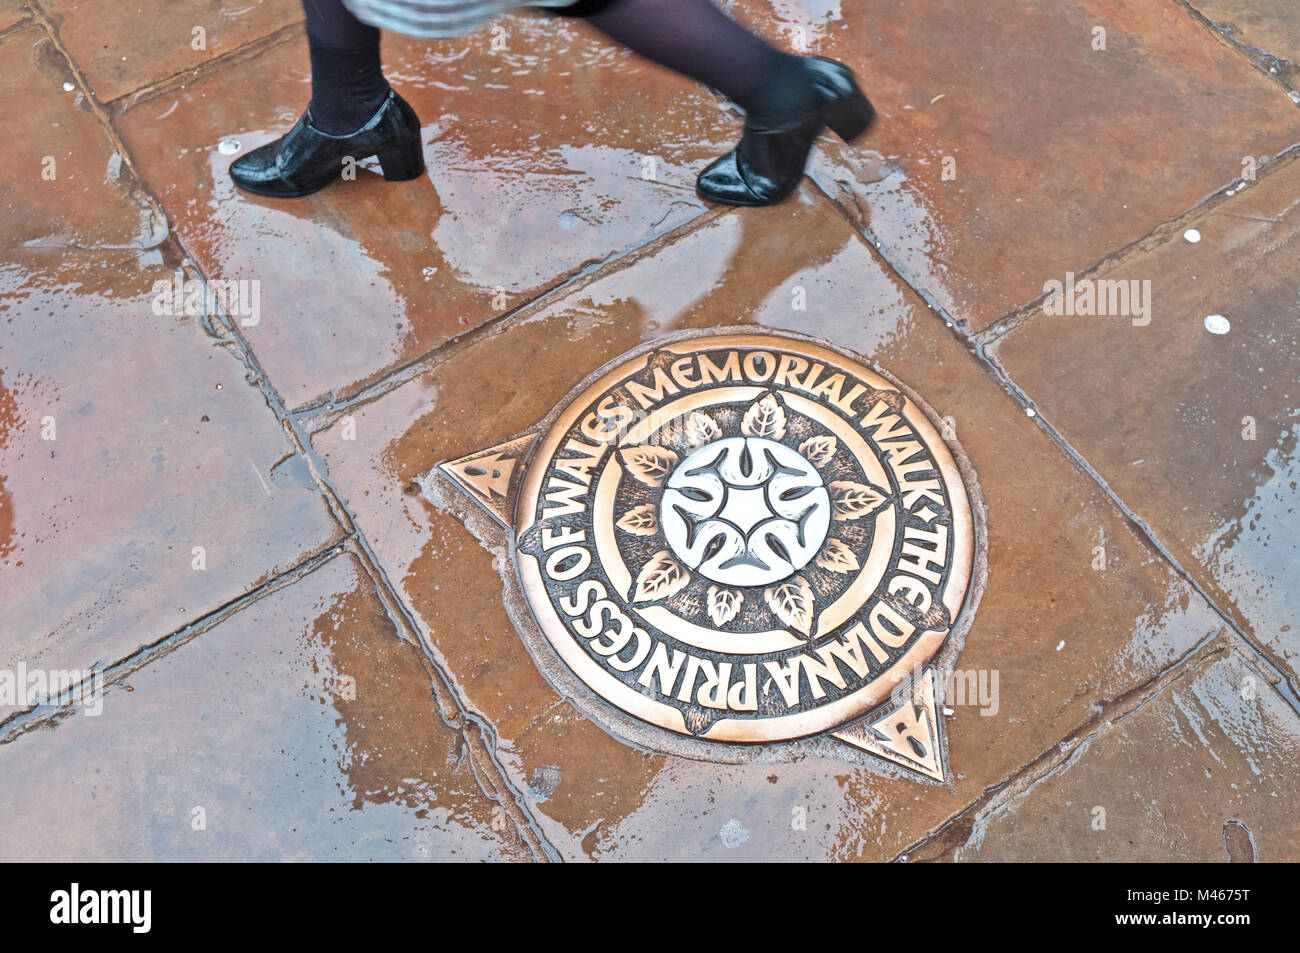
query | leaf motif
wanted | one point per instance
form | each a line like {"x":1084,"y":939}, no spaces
{"x":701,"y":429}
{"x":639,"y":520}
{"x":818,"y":450}
{"x":723,"y":605}
{"x":661,"y":578}
{"x":792,"y":601}
{"x":837,"y":557}
{"x":854,"y":500}
{"x":765,"y":418}
{"x":650,"y":464}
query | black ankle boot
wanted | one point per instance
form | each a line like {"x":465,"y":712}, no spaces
{"x":306,"y":160}
{"x":768,"y":163}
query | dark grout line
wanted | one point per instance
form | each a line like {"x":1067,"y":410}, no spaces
{"x":23,"y":22}
{"x":297,"y":425}
{"x":320,"y":413}
{"x":404,"y":621}
{"x":400,"y":614}
{"x":223,"y":329}
{"x":120,"y":104}
{"x":20,"y":723}
{"x":1142,"y":529}
{"x":194,"y":74}
{"x":1264,"y":62}
{"x":141,"y":190}
{"x":946,"y":838}
{"x":1016,"y":318}
{"x":864,"y":232}
{"x":977,"y":345}
{"x":328,"y":407}
{"x":481,"y":745}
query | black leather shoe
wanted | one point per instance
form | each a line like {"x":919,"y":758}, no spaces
{"x":306,"y":160}
{"x":767,"y":164}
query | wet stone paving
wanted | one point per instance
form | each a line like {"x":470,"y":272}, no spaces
{"x":264,"y":591}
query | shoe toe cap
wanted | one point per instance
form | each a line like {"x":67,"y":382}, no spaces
{"x":255,"y":167}
{"x":722,"y":181}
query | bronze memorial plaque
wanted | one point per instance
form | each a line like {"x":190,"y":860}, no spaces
{"x":741,"y":545}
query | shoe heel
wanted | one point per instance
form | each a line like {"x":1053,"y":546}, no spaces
{"x":851,"y":117}
{"x":402,"y":165}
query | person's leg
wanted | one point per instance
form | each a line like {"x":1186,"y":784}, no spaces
{"x":696,"y":38}
{"x":347,"y":81}
{"x":788,"y":100}
{"x":353,"y":115}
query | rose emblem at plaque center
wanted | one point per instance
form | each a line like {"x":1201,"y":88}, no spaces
{"x":746,"y":511}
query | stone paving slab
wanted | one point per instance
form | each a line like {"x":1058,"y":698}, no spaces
{"x":1205,"y":771}
{"x":1196,"y":431}
{"x":299,"y":728}
{"x":114,"y":437}
{"x":556,"y":154}
{"x":129,"y":439}
{"x":11,"y":12}
{"x":524,"y":188}
{"x":1061,"y":153}
{"x":123,"y":45}
{"x":1063,"y":637}
{"x":63,"y":184}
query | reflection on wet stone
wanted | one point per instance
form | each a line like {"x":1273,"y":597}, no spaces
{"x":1128,"y":689}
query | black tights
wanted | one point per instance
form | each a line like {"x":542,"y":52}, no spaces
{"x":692,"y":37}
{"x":347,"y":82}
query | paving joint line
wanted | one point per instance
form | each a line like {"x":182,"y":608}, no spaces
{"x":256,"y":376}
{"x":141,"y":191}
{"x":978,"y":347}
{"x":945,"y":839}
{"x":1139,"y":525}
{"x":404,"y":621}
{"x":477,"y":737}
{"x":956,"y":830}
{"x":1253,"y":55}
{"x":1018,"y":317}
{"x":20,"y":723}
{"x":974,"y":342}
{"x":23,"y":22}
{"x":400,"y":614}
{"x":222,"y":329}
{"x":321,"y":413}
{"x":178,"y":80}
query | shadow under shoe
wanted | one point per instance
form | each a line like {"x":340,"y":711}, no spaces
{"x":769,"y":161}
{"x":305,"y":160}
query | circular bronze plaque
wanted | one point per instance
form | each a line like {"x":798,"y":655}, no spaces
{"x":743,"y":538}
